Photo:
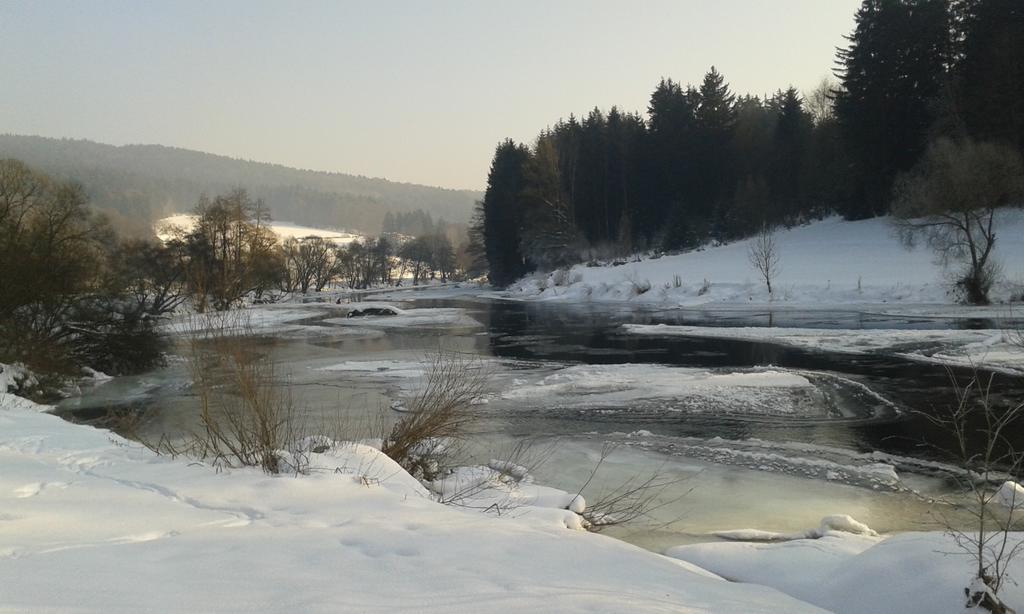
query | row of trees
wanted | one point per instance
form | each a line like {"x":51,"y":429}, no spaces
{"x":706,"y":164}
{"x":230,"y":252}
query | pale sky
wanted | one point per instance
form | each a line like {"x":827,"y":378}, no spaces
{"x":412,"y":91}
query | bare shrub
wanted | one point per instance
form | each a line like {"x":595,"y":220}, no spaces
{"x":704,"y":287}
{"x":246,"y":414}
{"x":439,"y":416}
{"x":980,"y":428}
{"x":633,"y":499}
{"x":639,"y":286}
{"x":763,"y":255}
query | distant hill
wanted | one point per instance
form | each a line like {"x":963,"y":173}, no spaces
{"x":139,"y":184}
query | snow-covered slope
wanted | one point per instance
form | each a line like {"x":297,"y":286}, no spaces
{"x":828,"y":262}
{"x":91,"y":522}
{"x":284,"y":230}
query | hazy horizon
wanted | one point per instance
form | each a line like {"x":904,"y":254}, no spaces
{"x":412,"y":92}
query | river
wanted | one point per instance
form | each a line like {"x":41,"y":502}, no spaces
{"x":735,"y":453}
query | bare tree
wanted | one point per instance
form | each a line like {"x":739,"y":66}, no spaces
{"x":950,"y":200}
{"x":981,"y":430}
{"x":763,"y":254}
{"x":820,"y":100}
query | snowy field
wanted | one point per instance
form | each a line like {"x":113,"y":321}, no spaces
{"x":831,"y":262}
{"x":284,"y":230}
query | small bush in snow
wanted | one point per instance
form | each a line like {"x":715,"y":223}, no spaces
{"x":439,"y":417}
{"x":704,"y":288}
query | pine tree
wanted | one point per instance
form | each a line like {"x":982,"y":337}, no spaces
{"x":715,"y":119}
{"x":503,"y":214}
{"x":667,"y":154}
{"x":891,"y":74}
{"x":991,"y":70}
{"x":788,"y":148}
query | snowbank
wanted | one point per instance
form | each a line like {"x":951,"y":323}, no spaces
{"x":824,"y":263}
{"x":91,"y":522}
{"x":12,"y":379}
{"x":1011,"y":496}
{"x":849,"y":573}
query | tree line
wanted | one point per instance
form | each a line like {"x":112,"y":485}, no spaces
{"x":705,"y":164}
{"x":74,"y":293}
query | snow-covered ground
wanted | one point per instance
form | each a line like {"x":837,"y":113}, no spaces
{"x":92,"y":522}
{"x":991,"y":349}
{"x":831,"y":262}
{"x":856,"y":573}
{"x":284,"y":230}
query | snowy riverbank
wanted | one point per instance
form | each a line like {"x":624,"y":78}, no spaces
{"x":830,"y":262}
{"x":92,"y":522}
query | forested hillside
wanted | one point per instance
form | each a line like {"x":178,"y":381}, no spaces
{"x":138,"y":184}
{"x":923,"y":88}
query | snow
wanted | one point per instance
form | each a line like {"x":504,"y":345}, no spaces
{"x":673,"y":389}
{"x":1011,"y":495}
{"x":993,"y":349}
{"x":262,"y":319}
{"x":283,"y":230}
{"x":850,"y":573}
{"x":12,"y":379}
{"x":405,"y":318}
{"x":92,"y":522}
{"x":381,"y":368}
{"x":828,"y":262}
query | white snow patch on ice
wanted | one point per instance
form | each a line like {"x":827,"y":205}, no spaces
{"x":768,"y":391}
{"x":989,"y":348}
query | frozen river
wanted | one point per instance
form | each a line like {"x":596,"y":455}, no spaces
{"x":751,"y":434}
